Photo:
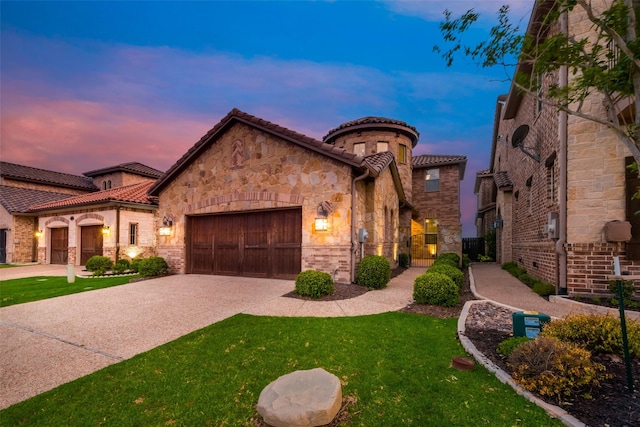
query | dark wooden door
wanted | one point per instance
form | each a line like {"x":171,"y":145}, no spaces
{"x":90,"y":242}
{"x":3,"y":246}
{"x":255,"y":244}
{"x":59,"y":245}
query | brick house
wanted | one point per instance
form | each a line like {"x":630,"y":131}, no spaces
{"x":557,"y":185}
{"x":56,"y":218}
{"x":255,"y":199}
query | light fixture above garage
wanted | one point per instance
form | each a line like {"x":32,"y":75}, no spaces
{"x":322,"y":222}
{"x":106,"y":230}
{"x":165,"y":229}
{"x":38,"y":234}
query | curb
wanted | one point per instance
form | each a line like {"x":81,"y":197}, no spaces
{"x":553,"y":411}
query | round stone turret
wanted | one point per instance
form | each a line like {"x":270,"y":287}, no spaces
{"x":370,"y":135}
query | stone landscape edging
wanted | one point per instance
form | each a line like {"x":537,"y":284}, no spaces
{"x":553,"y":411}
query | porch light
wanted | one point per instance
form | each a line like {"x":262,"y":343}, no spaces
{"x":38,"y":234}
{"x":106,"y":230}
{"x":165,"y":229}
{"x":322,"y":222}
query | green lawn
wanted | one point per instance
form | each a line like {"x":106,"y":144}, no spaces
{"x":395,"y":364}
{"x":18,"y":291}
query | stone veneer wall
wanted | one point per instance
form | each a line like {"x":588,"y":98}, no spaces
{"x":246,"y":169}
{"x":23,"y":240}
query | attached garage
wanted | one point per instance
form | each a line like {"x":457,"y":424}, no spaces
{"x":252,"y":244}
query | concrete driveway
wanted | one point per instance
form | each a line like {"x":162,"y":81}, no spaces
{"x":50,"y":342}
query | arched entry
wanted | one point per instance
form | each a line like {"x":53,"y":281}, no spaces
{"x":424,"y":246}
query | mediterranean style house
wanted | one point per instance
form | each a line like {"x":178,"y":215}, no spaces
{"x":252,"y":198}
{"x":56,"y":218}
{"x":557,"y":192}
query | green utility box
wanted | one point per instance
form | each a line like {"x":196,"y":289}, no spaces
{"x":528,"y":323}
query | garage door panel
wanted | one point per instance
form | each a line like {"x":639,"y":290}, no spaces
{"x":256,"y":244}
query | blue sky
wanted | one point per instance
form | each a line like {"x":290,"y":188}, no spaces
{"x":85,"y":85}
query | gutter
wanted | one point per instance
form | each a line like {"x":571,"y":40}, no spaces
{"x":561,"y":250}
{"x":354,"y":236}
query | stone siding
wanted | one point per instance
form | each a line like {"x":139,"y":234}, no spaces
{"x":23,"y":247}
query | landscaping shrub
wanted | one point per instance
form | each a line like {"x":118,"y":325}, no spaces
{"x":598,"y":333}
{"x":121,"y":266}
{"x":554,"y":368}
{"x":527,"y":280}
{"x":153,"y":266}
{"x":454,"y":273}
{"x":628,"y":289}
{"x":374,"y":272}
{"x":99,"y":265}
{"x":314,"y":284}
{"x":465,"y":260}
{"x":435,"y":289}
{"x":507,"y":346}
{"x":450,"y":257}
{"x":508,"y":266}
{"x":404,"y":260}
{"x":543,"y":289}
{"x":134,"y":266}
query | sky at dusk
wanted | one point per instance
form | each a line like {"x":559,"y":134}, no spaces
{"x":87,"y":85}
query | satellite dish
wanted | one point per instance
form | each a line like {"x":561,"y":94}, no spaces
{"x":517,"y":140}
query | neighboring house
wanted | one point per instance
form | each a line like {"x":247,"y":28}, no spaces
{"x":57,"y":218}
{"x":252,"y":198}
{"x":557,"y":190}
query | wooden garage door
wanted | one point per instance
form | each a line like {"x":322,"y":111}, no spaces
{"x":90,"y":242}
{"x":256,"y":244}
{"x":59,"y":245}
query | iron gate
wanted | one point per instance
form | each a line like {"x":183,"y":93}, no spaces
{"x":473,"y":246}
{"x":424,"y":248}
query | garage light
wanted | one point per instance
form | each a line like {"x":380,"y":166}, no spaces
{"x":105,"y":230}
{"x":322,"y":223}
{"x":165,"y":230}
{"x":38,"y":234}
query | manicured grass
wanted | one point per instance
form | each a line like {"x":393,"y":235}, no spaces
{"x":18,"y":291}
{"x":8,"y":265}
{"x":395,"y":364}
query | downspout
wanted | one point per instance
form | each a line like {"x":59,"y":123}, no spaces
{"x":561,"y":250}
{"x":354,"y":235}
{"x":118,"y":232}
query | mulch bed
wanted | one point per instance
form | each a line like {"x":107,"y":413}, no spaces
{"x":609,"y":405}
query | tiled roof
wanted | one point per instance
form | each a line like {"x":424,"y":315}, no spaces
{"x":235,"y":116}
{"x":135,"y":193}
{"x":371,"y":122}
{"x":376,"y":163}
{"x":131,"y":167}
{"x":484,"y":172}
{"x":427,"y":160}
{"x":18,"y":199}
{"x":502,"y":179}
{"x":42,"y":176}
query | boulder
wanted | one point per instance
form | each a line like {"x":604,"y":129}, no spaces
{"x":301,"y":399}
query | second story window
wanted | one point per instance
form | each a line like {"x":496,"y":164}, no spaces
{"x":382,"y":147}
{"x":402,"y":154}
{"x":432,"y":180}
{"x":359,"y":149}
{"x":133,"y":233}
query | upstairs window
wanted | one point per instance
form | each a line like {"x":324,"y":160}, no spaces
{"x":359,"y":149}
{"x":432,"y":180}
{"x":402,"y":154}
{"x":382,"y":147}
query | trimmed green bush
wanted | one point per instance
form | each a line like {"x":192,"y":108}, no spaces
{"x":404,"y":260}
{"x":445,"y":268}
{"x":435,"y":289}
{"x":121,"y":266}
{"x":99,"y":265}
{"x":628,"y":288}
{"x":374,"y":272}
{"x":508,"y":266}
{"x":134,"y":266}
{"x":451,"y":257}
{"x":466,"y":261}
{"x":153,"y":266}
{"x":543,"y":289}
{"x":314,"y":284}
{"x":527,"y":280}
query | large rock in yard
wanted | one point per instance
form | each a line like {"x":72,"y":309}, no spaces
{"x":301,"y":399}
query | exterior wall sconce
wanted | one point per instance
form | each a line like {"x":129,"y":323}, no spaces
{"x":498,"y":223}
{"x":38,"y":234}
{"x":165,"y":229}
{"x":106,"y":230}
{"x":322,"y":222}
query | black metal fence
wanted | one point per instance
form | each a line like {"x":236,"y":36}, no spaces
{"x":473,"y":247}
{"x":424,"y":248}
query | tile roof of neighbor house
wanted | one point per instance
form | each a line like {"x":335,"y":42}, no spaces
{"x":131,"y":167}
{"x":502,"y":179}
{"x":18,"y":200}
{"x":42,"y":176}
{"x":434,"y":160}
{"x":237,"y":116}
{"x":135,"y":193}
{"x":371,"y":122}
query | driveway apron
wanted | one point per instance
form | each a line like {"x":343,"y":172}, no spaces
{"x":47,"y":343}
